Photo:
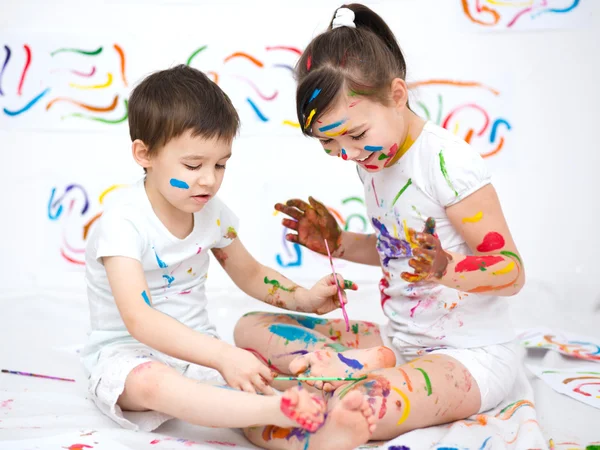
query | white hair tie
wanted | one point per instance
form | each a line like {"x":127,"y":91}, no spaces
{"x":344,"y":17}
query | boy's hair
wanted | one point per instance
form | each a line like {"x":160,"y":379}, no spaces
{"x":362,"y":61}
{"x":171,"y":102}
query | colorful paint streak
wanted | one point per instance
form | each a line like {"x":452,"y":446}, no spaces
{"x":146,"y":299}
{"x":473,"y":263}
{"x":179,"y":184}
{"x":405,"y":404}
{"x":309,"y":118}
{"x":25,"y":69}
{"x":509,"y":268}
{"x":373,"y":148}
{"x":491,"y":242}
{"x":314,"y":95}
{"x":244,"y":55}
{"x":194,"y":54}
{"x":107,"y":83}
{"x":427,"y":380}
{"x":28,"y":106}
{"x":277,"y":285}
{"x":307,"y":321}
{"x":257,"y":111}
{"x":352,"y":363}
{"x":101,"y":119}
{"x":401,"y":191}
{"x":85,"y":106}
{"x":293,"y":333}
{"x":473,"y":219}
{"x":160,"y":262}
{"x":8,"y":52}
{"x":77,"y":50}
{"x":341,"y":132}
{"x":445,"y":172}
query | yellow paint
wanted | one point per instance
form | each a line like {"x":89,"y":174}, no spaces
{"x":395,"y":231}
{"x":218,"y":222}
{"x":509,"y":3}
{"x":455,"y":128}
{"x":509,"y":268}
{"x":275,"y":213}
{"x":107,"y":191}
{"x":406,"y":402}
{"x":408,"y":142}
{"x":310,"y":117}
{"x":412,"y":243}
{"x":473,"y":219}
{"x":94,"y":86}
{"x":291,"y":124}
{"x":336,"y":133}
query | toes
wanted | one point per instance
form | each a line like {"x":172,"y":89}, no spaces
{"x":299,"y":364}
{"x":354,"y":400}
{"x":292,"y":396}
{"x":318,"y":384}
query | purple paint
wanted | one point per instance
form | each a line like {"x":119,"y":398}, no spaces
{"x":350,"y":362}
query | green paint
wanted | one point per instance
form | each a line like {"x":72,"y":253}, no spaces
{"x":99,"y":119}
{"x":348,"y":284}
{"x":279,"y":286}
{"x":76,"y":50}
{"x":427,"y":381}
{"x":349,"y":387}
{"x":439,"y":117}
{"x":422,"y":105}
{"x":408,"y":183}
{"x":593,"y":447}
{"x":445,"y":173}
{"x":353,"y":93}
{"x":511,"y":254}
{"x":189,"y":61}
{"x":355,"y":328}
{"x":319,"y":378}
{"x":353,"y":199}
{"x":327,"y":151}
{"x":383,"y":156}
{"x":337,"y":347}
{"x":417,"y":211}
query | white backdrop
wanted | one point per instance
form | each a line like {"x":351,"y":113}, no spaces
{"x":527,"y":94}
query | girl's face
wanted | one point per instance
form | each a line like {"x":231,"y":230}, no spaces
{"x":364,"y":131}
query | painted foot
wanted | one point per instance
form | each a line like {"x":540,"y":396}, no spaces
{"x":306,"y":410}
{"x":349,"y":424}
{"x":351,"y":363}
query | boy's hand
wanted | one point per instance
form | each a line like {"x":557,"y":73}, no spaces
{"x":242,"y":370}
{"x":313,"y":224}
{"x":323,"y":296}
{"x":429,"y":258}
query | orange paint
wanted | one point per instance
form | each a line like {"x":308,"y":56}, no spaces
{"x":110,"y":107}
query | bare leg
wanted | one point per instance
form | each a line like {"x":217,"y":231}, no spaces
{"x":154,"y":386}
{"x":349,"y":423}
{"x":277,"y":339}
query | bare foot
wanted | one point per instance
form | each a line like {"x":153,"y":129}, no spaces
{"x":349,"y":424}
{"x":303,"y":408}
{"x":351,"y":363}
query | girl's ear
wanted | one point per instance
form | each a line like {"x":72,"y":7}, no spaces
{"x":399,"y":91}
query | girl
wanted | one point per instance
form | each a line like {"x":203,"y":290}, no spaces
{"x":440,"y":237}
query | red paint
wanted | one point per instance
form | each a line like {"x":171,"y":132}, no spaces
{"x":492,"y":241}
{"x":308,"y":62}
{"x":472,"y":263}
{"x":370,"y":166}
{"x":27,"y":64}
{"x":353,"y":103}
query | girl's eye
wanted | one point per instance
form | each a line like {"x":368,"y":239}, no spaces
{"x":326,"y":141}
{"x":193,"y":167}
{"x":221,"y":166}
{"x":360,"y":136}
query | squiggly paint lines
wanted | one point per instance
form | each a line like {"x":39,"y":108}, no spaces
{"x":246,"y":56}
{"x":28,"y":105}
{"x":258,"y":92}
{"x":100,"y":119}
{"x":284,"y":47}
{"x":27,"y":64}
{"x":77,"y":50}
{"x":122,"y":62}
{"x":453,"y":83}
{"x":195,"y":53}
{"x":7,"y":49}
{"x":107,"y":83}
{"x":110,"y":107}
{"x":258,"y":112}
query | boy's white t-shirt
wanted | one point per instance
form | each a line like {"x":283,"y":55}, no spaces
{"x":437,"y":171}
{"x":175,"y":269}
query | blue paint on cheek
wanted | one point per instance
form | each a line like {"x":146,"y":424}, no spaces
{"x":350,"y":362}
{"x":179,"y":184}
{"x":145,"y":297}
{"x":373,"y":148}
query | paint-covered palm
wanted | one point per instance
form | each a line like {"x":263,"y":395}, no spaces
{"x":313,"y":224}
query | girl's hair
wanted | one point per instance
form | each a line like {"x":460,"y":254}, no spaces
{"x":362,"y":61}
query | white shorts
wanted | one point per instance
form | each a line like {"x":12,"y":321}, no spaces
{"x":494,"y":367}
{"x":107,"y":382}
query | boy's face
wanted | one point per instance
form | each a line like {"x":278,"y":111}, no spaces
{"x":188,"y":170}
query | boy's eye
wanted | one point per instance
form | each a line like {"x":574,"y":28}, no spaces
{"x":193,"y":167}
{"x":360,"y":136}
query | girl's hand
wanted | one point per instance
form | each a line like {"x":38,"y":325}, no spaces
{"x":323,"y":296}
{"x":313,"y":224}
{"x":242,"y":370}
{"x":429,"y":258}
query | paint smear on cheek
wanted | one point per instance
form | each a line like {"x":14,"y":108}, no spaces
{"x":331,"y":126}
{"x":373,"y":148}
{"x":472,"y":263}
{"x":492,"y":241}
{"x":353,"y":363}
{"x":179,"y":184}
{"x":473,"y":219}
{"x":344,"y":155}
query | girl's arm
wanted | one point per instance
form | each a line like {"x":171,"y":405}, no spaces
{"x":495,"y":267}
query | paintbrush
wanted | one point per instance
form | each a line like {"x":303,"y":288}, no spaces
{"x":339,"y":291}
{"x":319,"y":378}
{"x":27,"y":374}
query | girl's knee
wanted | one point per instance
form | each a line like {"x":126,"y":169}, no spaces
{"x":144,"y":382}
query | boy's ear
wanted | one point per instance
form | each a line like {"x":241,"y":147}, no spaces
{"x":141,"y":153}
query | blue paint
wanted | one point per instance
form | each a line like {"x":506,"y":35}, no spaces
{"x":556,"y":10}
{"x":179,"y":184}
{"x":284,"y":66}
{"x":495,"y":126}
{"x":314,"y":95}
{"x":53,"y":203}
{"x":145,"y":297}
{"x":293,"y":333}
{"x":344,"y":154}
{"x":161,"y":263}
{"x":333,"y":125}
{"x":7,"y":48}
{"x":484,"y":443}
{"x":355,"y":364}
{"x":28,"y":105}
{"x":308,"y":321}
{"x":260,"y":115}
{"x":169,"y":279}
{"x":297,"y":250}
{"x":398,"y":447}
{"x":58,"y":211}
{"x":373,"y":148}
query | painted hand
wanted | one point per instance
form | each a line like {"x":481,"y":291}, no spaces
{"x":313,"y":224}
{"x":323,"y":296}
{"x":429,"y":258}
{"x":242,"y":370}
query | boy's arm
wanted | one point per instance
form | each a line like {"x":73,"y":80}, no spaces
{"x":269,"y":286}
{"x":165,"y":334}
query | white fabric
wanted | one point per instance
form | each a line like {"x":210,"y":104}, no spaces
{"x":107,"y":382}
{"x":428,"y":314}
{"x":344,"y":17}
{"x":175,"y":269}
